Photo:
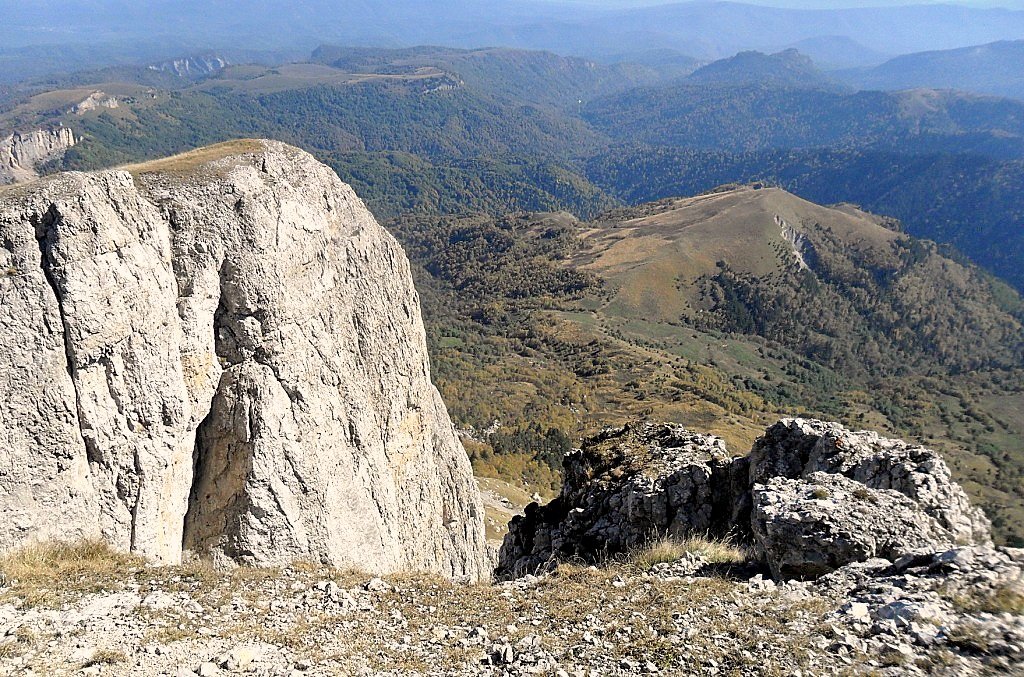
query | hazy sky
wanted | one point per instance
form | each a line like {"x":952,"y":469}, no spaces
{"x":812,"y":4}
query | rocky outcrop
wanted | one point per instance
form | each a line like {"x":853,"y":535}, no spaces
{"x":796,"y":448}
{"x":809,"y":527}
{"x":810,"y":497}
{"x":622,"y":489}
{"x":196,"y":66}
{"x":223,"y":352}
{"x":955,"y":612}
{"x":21,"y":153}
{"x":94,"y":101}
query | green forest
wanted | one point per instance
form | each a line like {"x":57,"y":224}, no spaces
{"x":491,"y":166}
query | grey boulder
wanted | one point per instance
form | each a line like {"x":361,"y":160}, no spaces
{"x":809,"y":527}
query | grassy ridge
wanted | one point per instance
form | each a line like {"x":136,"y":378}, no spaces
{"x":542,"y":323}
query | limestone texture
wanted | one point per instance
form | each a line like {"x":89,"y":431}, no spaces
{"x":222,"y":353}
{"x":811,"y":497}
{"x":806,"y":528}
{"x":622,"y":489}
{"x":20,"y":153}
{"x":799,"y":447}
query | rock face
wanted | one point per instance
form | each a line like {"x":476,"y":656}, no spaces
{"x":193,"y":66}
{"x":796,"y":448}
{"x":625,"y":487}
{"x":20,"y":153}
{"x":810,"y":497}
{"x":95,"y":100}
{"x":806,"y":528}
{"x":223,"y":352}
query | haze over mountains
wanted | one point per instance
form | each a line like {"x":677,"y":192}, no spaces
{"x":51,"y":37}
{"x":526,"y":183}
{"x":994,"y":68}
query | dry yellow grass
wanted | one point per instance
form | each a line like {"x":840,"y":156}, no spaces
{"x":40,"y":573}
{"x":669,"y":549}
{"x":58,"y":560}
{"x":13,"y":646}
{"x":186,"y":162}
{"x":106,"y":657}
{"x":1006,"y":598}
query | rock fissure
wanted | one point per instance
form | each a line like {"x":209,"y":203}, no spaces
{"x":213,"y":385}
{"x":200,"y":473}
{"x":43,"y":225}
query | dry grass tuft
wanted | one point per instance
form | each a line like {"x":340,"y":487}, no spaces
{"x":106,"y":657}
{"x":668,"y":549}
{"x":17,"y":644}
{"x":41,"y":574}
{"x":58,"y":561}
{"x":171,"y":634}
{"x":580,"y":573}
{"x":1005,"y":598}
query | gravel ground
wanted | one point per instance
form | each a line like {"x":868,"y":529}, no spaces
{"x":678,"y":618}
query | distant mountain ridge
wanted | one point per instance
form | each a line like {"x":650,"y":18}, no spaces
{"x":68,"y":35}
{"x":445,"y":130}
{"x":762,"y":116}
{"x":788,"y":68}
{"x":995,"y":68}
{"x":831,"y":52}
{"x":535,"y":76}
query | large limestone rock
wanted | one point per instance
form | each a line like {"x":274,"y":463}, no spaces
{"x":809,"y":527}
{"x":799,"y":447}
{"x":810,"y":497}
{"x":20,"y":153}
{"x":223,"y":352}
{"x":624,"y":488}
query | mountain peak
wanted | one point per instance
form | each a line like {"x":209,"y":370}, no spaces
{"x":789,"y":67}
{"x":760,"y":260}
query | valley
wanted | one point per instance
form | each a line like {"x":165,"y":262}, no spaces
{"x":551,"y":337}
{"x":568,"y":284}
{"x":698,"y":311}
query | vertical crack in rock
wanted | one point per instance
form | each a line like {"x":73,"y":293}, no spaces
{"x":321,"y":439}
{"x":200,"y":478}
{"x":208,"y":469}
{"x":44,"y":226}
{"x":140,"y":473}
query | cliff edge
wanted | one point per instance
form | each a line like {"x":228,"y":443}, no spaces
{"x":223,"y":352}
{"x":21,"y":153}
